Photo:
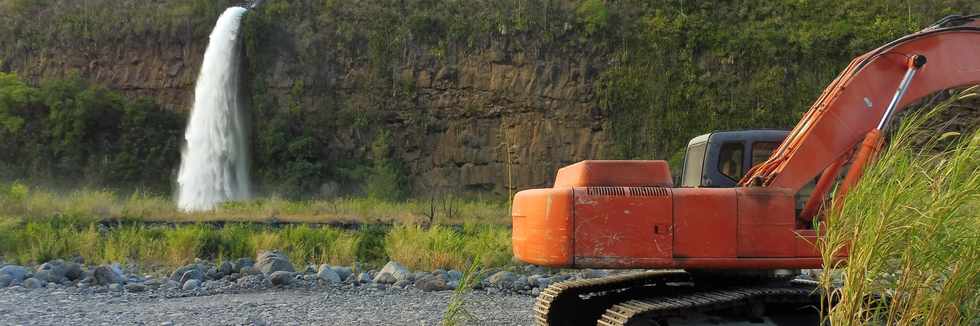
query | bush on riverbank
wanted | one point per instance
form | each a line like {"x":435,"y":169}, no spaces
{"x":27,"y":241}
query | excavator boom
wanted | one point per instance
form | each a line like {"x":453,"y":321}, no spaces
{"x":855,"y":102}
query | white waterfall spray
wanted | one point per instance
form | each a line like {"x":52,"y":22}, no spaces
{"x":214,"y":162}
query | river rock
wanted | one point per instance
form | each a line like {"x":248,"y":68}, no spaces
{"x":33,"y":283}
{"x":191,"y":284}
{"x":540,"y":281}
{"x":385,"y":278}
{"x":243,"y":263}
{"x":135,"y":287}
{"x":52,"y":271}
{"x":520,"y":283}
{"x":327,"y":274}
{"x":49,"y":276}
{"x":502,"y":280}
{"x":253,"y":281}
{"x":432,"y":282}
{"x":402,"y":284}
{"x":191,"y":274}
{"x":196,"y":272}
{"x":5,"y":280}
{"x":269,"y":262}
{"x":281,"y":278}
{"x":454,"y":275}
{"x":17,"y":273}
{"x":106,"y":274}
{"x":73,"y":271}
{"x":226,"y":268}
{"x":592,"y":273}
{"x":396,"y":270}
{"x":115,"y":287}
{"x":343,"y":271}
{"x":250,"y":270}
{"x":364,"y":277}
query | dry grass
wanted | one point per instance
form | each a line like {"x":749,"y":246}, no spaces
{"x":20,"y":200}
{"x":442,"y":247}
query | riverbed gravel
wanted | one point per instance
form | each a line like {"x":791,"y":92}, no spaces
{"x":329,"y":305}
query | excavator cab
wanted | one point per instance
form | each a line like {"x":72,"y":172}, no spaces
{"x":720,"y":159}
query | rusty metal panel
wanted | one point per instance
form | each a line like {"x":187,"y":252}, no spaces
{"x":705,"y":222}
{"x":766,"y":223}
{"x":622,"y":224}
{"x":603,"y":173}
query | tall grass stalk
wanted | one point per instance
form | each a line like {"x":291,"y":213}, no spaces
{"x":456,"y":312}
{"x":912,"y":233}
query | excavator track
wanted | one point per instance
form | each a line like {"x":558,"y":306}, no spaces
{"x":646,"y":298}
{"x":652,"y":311}
{"x":572,"y":302}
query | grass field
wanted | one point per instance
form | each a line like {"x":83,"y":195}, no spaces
{"x":102,"y":226}
{"x":164,"y":247}
{"x":912,"y":228}
{"x":22,"y":200}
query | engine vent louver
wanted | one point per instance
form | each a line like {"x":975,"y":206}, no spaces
{"x":631,"y":191}
{"x":648,"y":191}
{"x":607,"y":191}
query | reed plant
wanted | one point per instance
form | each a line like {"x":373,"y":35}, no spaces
{"x":911,"y":230}
{"x":444,"y":247}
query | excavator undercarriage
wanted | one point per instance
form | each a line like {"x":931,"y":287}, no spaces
{"x":655,"y":297}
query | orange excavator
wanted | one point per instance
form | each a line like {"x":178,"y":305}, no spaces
{"x":747,"y":205}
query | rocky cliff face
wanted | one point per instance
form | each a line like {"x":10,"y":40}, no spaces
{"x":476,"y":95}
{"x":490,"y":119}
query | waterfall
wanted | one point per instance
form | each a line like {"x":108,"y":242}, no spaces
{"x":214,"y":161}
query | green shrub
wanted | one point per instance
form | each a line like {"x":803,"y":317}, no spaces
{"x":593,"y":14}
{"x":387,"y":178}
{"x":80,"y":134}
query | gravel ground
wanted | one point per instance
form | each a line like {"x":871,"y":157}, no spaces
{"x":334,"y":305}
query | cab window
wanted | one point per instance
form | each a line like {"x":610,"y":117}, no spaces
{"x":730,"y":160}
{"x":762,"y":151}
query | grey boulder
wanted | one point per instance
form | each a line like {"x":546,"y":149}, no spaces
{"x":327,"y":274}
{"x":364,"y":277}
{"x":454,"y":275}
{"x":181,"y":274}
{"x":52,"y":271}
{"x":17,"y":273}
{"x":502,"y":280}
{"x":386,"y":278}
{"x":269,"y":262}
{"x":281,"y":278}
{"x":241,"y":263}
{"x":191,"y":285}
{"x":396,"y":270}
{"x":106,"y":274}
{"x":432,"y":282}
{"x":33,"y":283}
{"x":135,"y":287}
{"x":343,"y":271}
